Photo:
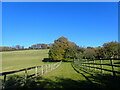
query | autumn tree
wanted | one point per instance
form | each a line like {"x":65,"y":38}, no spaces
{"x":111,"y":49}
{"x":100,"y":52}
{"x":89,"y":53}
{"x":63,"y":49}
{"x":118,"y":50}
{"x":57,"y":50}
{"x":7,"y":48}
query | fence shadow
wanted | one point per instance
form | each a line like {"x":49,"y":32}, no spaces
{"x":60,"y":83}
{"x":41,"y":82}
{"x":107,"y":81}
{"x":103,"y":80}
{"x":14,"y":81}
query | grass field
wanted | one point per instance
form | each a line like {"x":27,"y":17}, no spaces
{"x":62,"y":77}
{"x":115,"y":62}
{"x":106,"y":65}
{"x":15,"y":60}
{"x":65,"y":76}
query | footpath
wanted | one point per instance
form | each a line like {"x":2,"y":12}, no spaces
{"x":63,"y":77}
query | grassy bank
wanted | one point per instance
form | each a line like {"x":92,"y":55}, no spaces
{"x":15,"y":60}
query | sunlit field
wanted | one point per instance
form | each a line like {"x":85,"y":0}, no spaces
{"x":15,"y":60}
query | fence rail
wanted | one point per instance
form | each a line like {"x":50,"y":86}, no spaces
{"x":101,"y":66}
{"x":38,"y":71}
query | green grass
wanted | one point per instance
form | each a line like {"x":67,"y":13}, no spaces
{"x":106,"y":66}
{"x":15,"y":60}
{"x":64,"y":71}
{"x":62,"y":77}
{"x":65,"y":76}
{"x":100,"y":80}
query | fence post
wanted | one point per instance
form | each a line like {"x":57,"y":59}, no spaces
{"x":49,"y":68}
{"x":25,"y":76}
{"x":111,"y":62}
{"x":74,"y":60}
{"x":46,"y":68}
{"x":42,"y":69}
{"x":89,"y":65}
{"x":82,"y":63}
{"x":4,"y":82}
{"x":94,"y":65}
{"x":56,"y":65}
{"x":36,"y":71}
{"x":101,"y":66}
{"x":53,"y":66}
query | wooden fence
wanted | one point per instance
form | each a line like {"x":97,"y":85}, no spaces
{"x":93,"y":65}
{"x":38,"y":71}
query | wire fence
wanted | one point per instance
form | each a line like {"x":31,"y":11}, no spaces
{"x":28,"y":73}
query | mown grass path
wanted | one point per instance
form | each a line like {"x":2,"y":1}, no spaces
{"x":65,"y":70}
{"x":63,"y":77}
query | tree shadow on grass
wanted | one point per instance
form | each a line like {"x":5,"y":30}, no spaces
{"x":107,"y":81}
{"x":41,"y":82}
{"x":103,"y":80}
{"x":50,"y":60}
{"x":59,"y":83}
{"x":13,"y":81}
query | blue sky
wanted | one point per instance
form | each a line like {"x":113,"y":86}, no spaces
{"x":85,"y":23}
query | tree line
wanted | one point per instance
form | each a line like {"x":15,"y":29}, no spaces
{"x":40,"y":46}
{"x":62,"y":49}
{"x":19,"y":47}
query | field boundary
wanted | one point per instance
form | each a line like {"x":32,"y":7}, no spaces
{"x":99,"y":66}
{"x":38,"y":71}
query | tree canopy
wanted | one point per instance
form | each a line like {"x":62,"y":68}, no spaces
{"x":64,"y":49}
